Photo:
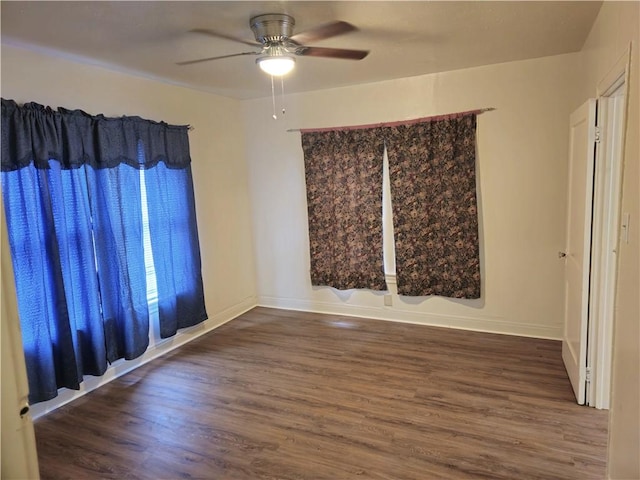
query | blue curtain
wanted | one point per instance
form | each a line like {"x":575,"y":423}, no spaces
{"x":116,"y":211}
{"x":176,"y":250}
{"x":72,"y":195}
{"x":49,"y":229}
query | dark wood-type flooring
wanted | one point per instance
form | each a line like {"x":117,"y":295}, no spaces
{"x":277,"y":394}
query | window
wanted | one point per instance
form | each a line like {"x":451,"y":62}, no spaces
{"x":428,"y":221}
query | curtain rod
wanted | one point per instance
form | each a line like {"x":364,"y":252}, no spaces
{"x":401,"y":122}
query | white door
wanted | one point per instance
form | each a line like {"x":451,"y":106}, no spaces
{"x":19,"y":456}
{"x":578,"y":247}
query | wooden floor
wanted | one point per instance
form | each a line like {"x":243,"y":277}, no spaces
{"x":288,"y":395}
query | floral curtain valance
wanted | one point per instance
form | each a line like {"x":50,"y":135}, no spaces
{"x":33,"y":133}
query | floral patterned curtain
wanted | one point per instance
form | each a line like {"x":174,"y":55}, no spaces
{"x":343,"y":171}
{"x":433,"y":192}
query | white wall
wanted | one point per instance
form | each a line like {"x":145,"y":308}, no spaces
{"x":616,"y":26}
{"x":218,"y":163}
{"x":522,"y":162}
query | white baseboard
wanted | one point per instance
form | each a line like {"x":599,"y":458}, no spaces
{"x":395,"y":314}
{"x":120,"y":367}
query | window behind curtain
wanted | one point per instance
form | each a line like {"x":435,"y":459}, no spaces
{"x":432,"y":235}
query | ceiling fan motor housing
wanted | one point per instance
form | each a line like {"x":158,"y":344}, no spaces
{"x":272,"y":27}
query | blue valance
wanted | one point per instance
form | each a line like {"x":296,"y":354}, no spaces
{"x":33,"y":133}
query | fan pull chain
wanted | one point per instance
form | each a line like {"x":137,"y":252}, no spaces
{"x":273,"y":99}
{"x":282,"y":94}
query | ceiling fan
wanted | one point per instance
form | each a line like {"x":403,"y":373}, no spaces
{"x":278,"y":46}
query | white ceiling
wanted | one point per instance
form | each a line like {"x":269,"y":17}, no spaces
{"x":405,"y":38}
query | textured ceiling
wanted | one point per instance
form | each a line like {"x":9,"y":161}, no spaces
{"x":405,"y":38}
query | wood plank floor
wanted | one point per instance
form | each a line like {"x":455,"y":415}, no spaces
{"x":287,"y":395}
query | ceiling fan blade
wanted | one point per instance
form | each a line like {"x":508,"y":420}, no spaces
{"x":332,"y":53}
{"x":200,"y":60}
{"x":323,"y":31}
{"x":212,"y":33}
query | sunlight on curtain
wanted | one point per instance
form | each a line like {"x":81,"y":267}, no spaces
{"x":176,"y":248}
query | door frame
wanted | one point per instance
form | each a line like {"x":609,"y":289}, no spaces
{"x":612,"y":95}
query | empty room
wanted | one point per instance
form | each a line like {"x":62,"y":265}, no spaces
{"x":320,"y":240}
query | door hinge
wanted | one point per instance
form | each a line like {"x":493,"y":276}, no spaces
{"x":587,"y":376}
{"x":597,"y":135}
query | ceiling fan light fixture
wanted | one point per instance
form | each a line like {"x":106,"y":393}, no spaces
{"x":276,"y":66}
